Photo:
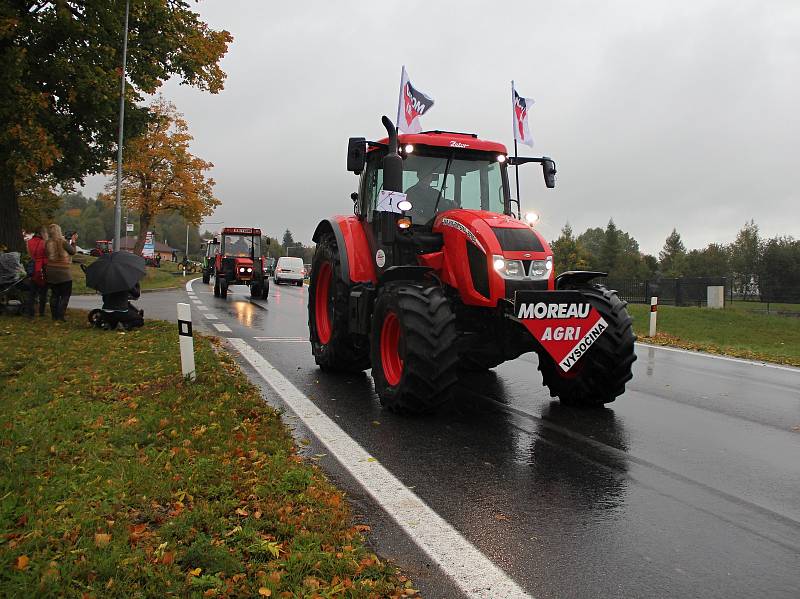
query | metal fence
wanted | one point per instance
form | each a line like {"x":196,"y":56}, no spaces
{"x":685,"y":291}
{"x":692,"y":291}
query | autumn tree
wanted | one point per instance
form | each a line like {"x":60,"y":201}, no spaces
{"x":59,"y":86}
{"x":568,"y":253}
{"x":159,"y":173}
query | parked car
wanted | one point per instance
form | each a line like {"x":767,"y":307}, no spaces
{"x":290,"y":269}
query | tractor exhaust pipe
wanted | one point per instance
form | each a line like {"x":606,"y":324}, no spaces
{"x":392,"y":162}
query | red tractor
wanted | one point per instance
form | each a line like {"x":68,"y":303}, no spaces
{"x":238,"y":261}
{"x":102,"y":246}
{"x":435,"y":272}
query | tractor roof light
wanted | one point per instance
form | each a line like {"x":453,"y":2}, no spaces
{"x":404,"y":222}
{"x":409,"y":148}
{"x":404,"y":205}
{"x":501,"y":158}
{"x":531,"y":218}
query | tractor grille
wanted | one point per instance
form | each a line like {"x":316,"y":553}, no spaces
{"x":513,"y":286}
{"x":478,"y":269}
{"x":518,"y":240}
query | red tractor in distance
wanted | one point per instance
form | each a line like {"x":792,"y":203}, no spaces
{"x":435,"y":272}
{"x":102,"y":246}
{"x":238,"y":261}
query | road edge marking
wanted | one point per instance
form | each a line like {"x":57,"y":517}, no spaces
{"x":469,"y":569}
{"x":680,"y":350}
{"x":189,"y":283}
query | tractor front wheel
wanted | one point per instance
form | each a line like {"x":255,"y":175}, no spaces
{"x":333,"y":346}
{"x":223,"y":288}
{"x":413,"y":348}
{"x":216,"y":286}
{"x":600,"y":375}
{"x":206,"y":276}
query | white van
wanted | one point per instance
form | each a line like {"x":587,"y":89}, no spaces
{"x":290,"y":269}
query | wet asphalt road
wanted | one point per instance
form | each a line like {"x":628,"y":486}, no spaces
{"x":686,"y":486}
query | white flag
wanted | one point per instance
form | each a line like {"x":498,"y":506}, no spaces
{"x":412,"y":105}
{"x":520,"y":107}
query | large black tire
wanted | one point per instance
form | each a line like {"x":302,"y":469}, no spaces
{"x":216,"y":286}
{"x":336,"y":349}
{"x":415,"y":324}
{"x":600,"y":375}
{"x":223,"y":289}
{"x":206,"y":276}
{"x":265,"y":289}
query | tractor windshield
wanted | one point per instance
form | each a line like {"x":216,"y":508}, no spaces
{"x":434,"y":184}
{"x":241,"y":246}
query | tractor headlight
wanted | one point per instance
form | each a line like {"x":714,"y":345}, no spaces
{"x":249,"y":270}
{"x":540,"y":269}
{"x":508,"y":269}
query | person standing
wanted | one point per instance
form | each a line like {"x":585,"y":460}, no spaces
{"x":59,"y":277}
{"x":38,"y":288}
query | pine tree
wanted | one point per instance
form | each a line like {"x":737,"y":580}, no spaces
{"x":673,"y":256}
{"x":568,"y":252}
{"x":609,"y":253}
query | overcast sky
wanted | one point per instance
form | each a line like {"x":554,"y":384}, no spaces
{"x":660,"y":114}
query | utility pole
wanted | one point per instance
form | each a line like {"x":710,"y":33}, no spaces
{"x":118,"y":205}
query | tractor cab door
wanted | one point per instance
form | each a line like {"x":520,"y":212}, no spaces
{"x":380,"y":226}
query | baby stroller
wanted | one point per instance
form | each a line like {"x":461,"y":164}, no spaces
{"x":118,"y":311}
{"x":13,"y":283}
{"x":117,"y":277}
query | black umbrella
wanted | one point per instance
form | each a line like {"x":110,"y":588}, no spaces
{"x":117,"y":271}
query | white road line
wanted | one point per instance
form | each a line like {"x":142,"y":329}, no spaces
{"x":189,"y":283}
{"x":282,"y":339}
{"x":222,"y":328}
{"x":726,"y":358}
{"x":470,"y":570}
{"x":196,"y":301}
{"x":211,"y":316}
{"x":202,"y":308}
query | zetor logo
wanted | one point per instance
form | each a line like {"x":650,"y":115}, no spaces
{"x":566,"y":325}
{"x":458,"y":144}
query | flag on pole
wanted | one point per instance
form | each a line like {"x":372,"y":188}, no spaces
{"x":520,"y":106}
{"x":412,"y":105}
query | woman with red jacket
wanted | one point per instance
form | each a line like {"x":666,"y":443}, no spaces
{"x":38,"y":288}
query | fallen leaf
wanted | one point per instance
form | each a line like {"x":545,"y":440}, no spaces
{"x":102,"y":539}
{"x":195,"y":572}
{"x":501,"y":517}
{"x":22,"y":562}
{"x":264,"y":592}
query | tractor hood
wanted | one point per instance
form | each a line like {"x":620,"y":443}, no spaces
{"x":487,"y":256}
{"x":493,"y":234}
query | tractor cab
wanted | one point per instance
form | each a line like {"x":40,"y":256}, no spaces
{"x":209,"y":256}
{"x":239,"y":261}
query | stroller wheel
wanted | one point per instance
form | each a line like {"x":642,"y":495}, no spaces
{"x":96,"y":318}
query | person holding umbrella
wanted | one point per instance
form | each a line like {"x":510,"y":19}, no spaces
{"x":116,"y":276}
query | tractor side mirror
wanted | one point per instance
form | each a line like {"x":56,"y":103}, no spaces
{"x":549,"y":172}
{"x":356,"y":154}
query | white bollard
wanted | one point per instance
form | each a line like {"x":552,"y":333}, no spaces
{"x":186,"y":341}
{"x":653,"y":315}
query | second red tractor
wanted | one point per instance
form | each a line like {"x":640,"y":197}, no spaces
{"x":238,"y":261}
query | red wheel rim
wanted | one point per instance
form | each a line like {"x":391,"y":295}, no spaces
{"x":322,"y":316}
{"x":390,"y":349}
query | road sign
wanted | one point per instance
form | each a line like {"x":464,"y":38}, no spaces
{"x":129,"y":227}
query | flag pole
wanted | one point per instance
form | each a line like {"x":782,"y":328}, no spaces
{"x":516,"y":164}
{"x":400,"y":99}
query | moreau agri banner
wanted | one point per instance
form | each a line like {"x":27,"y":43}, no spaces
{"x":563,"y":322}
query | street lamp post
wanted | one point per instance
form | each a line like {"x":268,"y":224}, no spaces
{"x":118,"y":205}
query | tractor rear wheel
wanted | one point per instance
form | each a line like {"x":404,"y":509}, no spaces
{"x":206,"y":276}
{"x":333,"y":346}
{"x":413,"y":348}
{"x":600,"y":375}
{"x":216,"y":286}
{"x":223,"y":289}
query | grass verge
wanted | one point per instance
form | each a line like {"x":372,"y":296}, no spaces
{"x":736,"y":333}
{"x":156,"y":278}
{"x":120,"y":479}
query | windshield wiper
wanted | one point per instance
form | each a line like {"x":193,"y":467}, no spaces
{"x":444,"y":185}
